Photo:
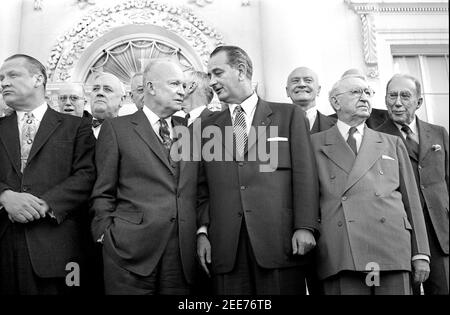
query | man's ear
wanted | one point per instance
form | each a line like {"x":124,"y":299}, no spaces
{"x":191,"y":87}
{"x":318,"y":90}
{"x":39,"y":80}
{"x":242,"y":71}
{"x":419,"y":102}
{"x":335,"y":103}
{"x":150,"y":87}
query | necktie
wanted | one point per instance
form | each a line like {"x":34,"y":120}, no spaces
{"x":410,"y":142}
{"x":240,"y":130}
{"x":97,"y":122}
{"x":29,"y":130}
{"x":351,"y":140}
{"x":165,"y":133}
{"x":187,"y":116}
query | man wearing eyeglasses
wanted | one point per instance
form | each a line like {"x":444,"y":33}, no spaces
{"x":137,"y":89}
{"x":427,"y":146}
{"x":71,"y":99}
{"x":372,"y":232}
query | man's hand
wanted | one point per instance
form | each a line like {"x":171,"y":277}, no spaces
{"x":421,"y":269}
{"x":23,"y":207}
{"x":302,"y":242}
{"x":204,"y":252}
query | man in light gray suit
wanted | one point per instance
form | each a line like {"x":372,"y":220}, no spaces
{"x":371,"y":218}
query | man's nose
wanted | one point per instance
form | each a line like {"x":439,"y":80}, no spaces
{"x":212,"y":82}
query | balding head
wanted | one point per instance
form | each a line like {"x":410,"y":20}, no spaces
{"x":303,"y":87}
{"x":164,"y":87}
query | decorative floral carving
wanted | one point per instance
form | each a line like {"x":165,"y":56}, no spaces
{"x":370,"y":44}
{"x":69,"y":47}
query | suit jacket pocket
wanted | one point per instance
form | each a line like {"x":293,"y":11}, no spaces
{"x":129,"y":215}
{"x":283,"y":158}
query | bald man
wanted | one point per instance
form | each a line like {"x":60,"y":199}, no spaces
{"x":144,"y":202}
{"x":108,"y":94}
{"x":302,"y":88}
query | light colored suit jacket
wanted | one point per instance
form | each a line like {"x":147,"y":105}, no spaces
{"x":370,"y":207}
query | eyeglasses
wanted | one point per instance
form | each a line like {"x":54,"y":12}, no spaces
{"x":357,"y":92}
{"x":404,"y":96}
{"x":72,"y":98}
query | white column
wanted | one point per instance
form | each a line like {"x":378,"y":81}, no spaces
{"x":10,"y":27}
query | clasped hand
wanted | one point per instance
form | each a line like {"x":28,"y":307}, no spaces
{"x":23,"y":207}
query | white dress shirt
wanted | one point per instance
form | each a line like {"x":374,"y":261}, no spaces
{"x":38,"y":114}
{"x":154,"y":122}
{"x":96,"y":131}
{"x":195,"y":113}
{"x":414,"y":129}
{"x":248,"y":107}
{"x":358,"y":135}
{"x":311,"y":114}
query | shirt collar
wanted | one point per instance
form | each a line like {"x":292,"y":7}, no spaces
{"x":38,"y":112}
{"x":248,"y":105}
{"x":153,"y":118}
{"x":196,"y":112}
{"x":412,"y":126}
{"x":344,"y":128}
{"x":311,"y":113}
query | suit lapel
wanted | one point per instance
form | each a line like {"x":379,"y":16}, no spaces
{"x":145,"y":131}
{"x":48,"y":125}
{"x":223,"y":120}
{"x":9,"y":135}
{"x":424,"y":139}
{"x":369,"y":152}
{"x":337,"y":150}
{"x":261,"y":121}
{"x":391,"y":128}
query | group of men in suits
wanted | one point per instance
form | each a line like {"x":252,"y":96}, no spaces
{"x":340,"y":200}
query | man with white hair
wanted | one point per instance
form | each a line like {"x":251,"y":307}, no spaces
{"x":108,"y":94}
{"x":198,"y":96}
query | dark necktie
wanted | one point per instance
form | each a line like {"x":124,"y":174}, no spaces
{"x":410,"y":142}
{"x":97,"y":122}
{"x":187,"y":116}
{"x":351,"y":141}
{"x":165,"y":133}
{"x":240,"y":130}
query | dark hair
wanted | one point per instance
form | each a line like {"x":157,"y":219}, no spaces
{"x":409,"y":77}
{"x":33,"y":65}
{"x":236,"y":56}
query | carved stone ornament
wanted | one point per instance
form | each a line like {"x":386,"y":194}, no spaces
{"x":181,"y":21}
{"x":367,"y":10}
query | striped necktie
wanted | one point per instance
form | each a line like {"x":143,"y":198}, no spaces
{"x":240,"y":130}
{"x":351,"y":140}
{"x":164,"y":132}
{"x":410,"y":142}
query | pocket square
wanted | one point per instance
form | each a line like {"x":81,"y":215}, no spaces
{"x":277,"y":139}
{"x":387,"y":157}
{"x":436,"y":147}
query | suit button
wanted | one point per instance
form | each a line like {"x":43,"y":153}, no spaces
{"x":173,"y":219}
{"x":422,"y":186}
{"x":243,"y":187}
{"x":25,"y":189}
{"x":29,"y":141}
{"x":340,"y":223}
{"x":419,"y":167}
{"x":383,"y":219}
{"x":344,"y":198}
{"x":332,"y":177}
{"x":381,"y":173}
{"x":377,"y":194}
{"x":240,"y":214}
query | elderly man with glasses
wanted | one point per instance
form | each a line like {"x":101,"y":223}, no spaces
{"x":372,"y":233}
{"x":71,"y":99}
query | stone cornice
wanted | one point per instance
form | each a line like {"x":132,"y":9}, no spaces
{"x":362,"y":7}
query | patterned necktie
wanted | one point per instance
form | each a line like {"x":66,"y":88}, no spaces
{"x":97,"y":122}
{"x":29,"y":130}
{"x":351,"y":141}
{"x":165,"y":133}
{"x":240,"y":130}
{"x":410,"y":142}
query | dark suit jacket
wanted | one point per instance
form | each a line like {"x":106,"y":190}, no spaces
{"x":274,"y":204}
{"x":136,"y":199}
{"x":60,"y":171}
{"x":322,"y":123}
{"x":369,"y":206}
{"x":432,"y":174}
{"x":377,"y":117}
